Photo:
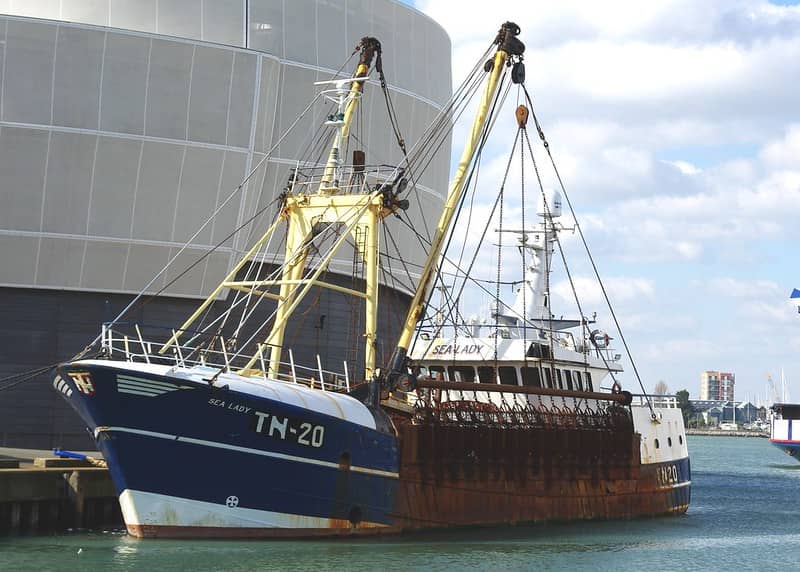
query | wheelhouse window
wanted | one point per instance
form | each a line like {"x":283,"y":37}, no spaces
{"x":560,"y":379}
{"x":508,"y":375}
{"x":531,"y":376}
{"x":486,"y":374}
{"x":548,"y":377}
{"x":568,"y":378}
{"x":462,"y":373}
{"x":589,"y":381}
{"x":436,"y":372}
{"x":578,"y":380}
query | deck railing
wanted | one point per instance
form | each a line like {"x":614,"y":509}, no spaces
{"x":219,"y":355}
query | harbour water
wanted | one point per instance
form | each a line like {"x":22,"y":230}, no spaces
{"x":745,"y":514}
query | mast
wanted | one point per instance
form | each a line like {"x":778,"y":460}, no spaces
{"x":508,"y":47}
{"x":355,"y":214}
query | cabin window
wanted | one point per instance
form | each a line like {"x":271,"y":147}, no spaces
{"x":548,"y":377}
{"x":437,"y":372}
{"x":576,"y":376}
{"x":462,"y":373}
{"x":589,"y":381}
{"x":560,"y":384}
{"x":508,"y":375}
{"x":669,"y":441}
{"x":486,"y":374}
{"x":680,"y":439}
{"x":568,"y":376}
{"x":530,"y":376}
{"x":657,"y":445}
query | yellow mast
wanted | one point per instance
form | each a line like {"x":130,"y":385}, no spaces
{"x":508,"y":46}
{"x":307,"y":214}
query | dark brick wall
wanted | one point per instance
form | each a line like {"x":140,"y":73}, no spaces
{"x":43,"y":327}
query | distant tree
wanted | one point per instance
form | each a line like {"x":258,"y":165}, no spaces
{"x":661,"y":388}
{"x":683,"y":402}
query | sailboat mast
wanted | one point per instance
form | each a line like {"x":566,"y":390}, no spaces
{"x":508,"y":46}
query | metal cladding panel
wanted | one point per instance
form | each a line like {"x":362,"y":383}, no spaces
{"x":265,"y":32}
{"x":76,"y":88}
{"x":181,"y":18}
{"x":59,"y":262}
{"x":159,"y":174}
{"x":69,"y":179}
{"x":85,"y":11}
{"x":104,"y":266}
{"x":18,"y":254}
{"x":240,"y":97}
{"x":113,"y":187}
{"x":168,"y":89}
{"x":124,"y":83}
{"x":212,"y":71}
{"x":29,"y":55}
{"x":188,"y":283}
{"x":330,"y":22}
{"x":143,"y":263}
{"x":200,"y":187}
{"x":267,"y":120}
{"x":223,"y":22}
{"x":23,"y":156}
{"x":133,"y":14}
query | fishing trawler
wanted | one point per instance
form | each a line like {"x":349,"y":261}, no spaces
{"x":210,"y":431}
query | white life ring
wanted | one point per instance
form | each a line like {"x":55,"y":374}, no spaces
{"x":600,"y":339}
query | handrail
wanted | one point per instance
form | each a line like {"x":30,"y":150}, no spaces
{"x":621,"y":398}
{"x":316,"y":377}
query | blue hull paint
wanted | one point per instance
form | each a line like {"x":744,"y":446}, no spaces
{"x":681,"y":491}
{"x":266,"y":473}
{"x":791,"y":448}
{"x":200,"y":443}
{"x":196,"y":472}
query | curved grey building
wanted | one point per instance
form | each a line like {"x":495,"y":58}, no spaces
{"x":125,"y":123}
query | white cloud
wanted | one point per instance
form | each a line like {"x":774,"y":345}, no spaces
{"x":620,"y":289}
{"x":732,"y":287}
{"x":674,"y":125}
{"x":684,"y":167}
{"x":784,"y":153}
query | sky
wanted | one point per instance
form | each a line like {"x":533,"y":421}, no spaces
{"x":676,"y":127}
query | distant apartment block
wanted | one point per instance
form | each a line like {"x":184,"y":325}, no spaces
{"x":717,"y":385}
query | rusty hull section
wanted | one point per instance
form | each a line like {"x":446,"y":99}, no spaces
{"x":472,"y":463}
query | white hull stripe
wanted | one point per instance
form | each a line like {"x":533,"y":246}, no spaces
{"x":62,"y":386}
{"x":676,"y":486}
{"x":146,"y":387}
{"x":228,"y":447}
{"x":152,"y":509}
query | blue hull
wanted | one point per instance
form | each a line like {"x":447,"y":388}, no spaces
{"x":791,"y":448}
{"x":192,"y":460}
{"x":207,"y":446}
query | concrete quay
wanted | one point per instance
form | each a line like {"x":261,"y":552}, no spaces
{"x":40,"y":493}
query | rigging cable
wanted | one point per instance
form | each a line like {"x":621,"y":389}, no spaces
{"x":491,"y":119}
{"x":213,"y":215}
{"x":588,"y":252}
